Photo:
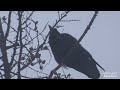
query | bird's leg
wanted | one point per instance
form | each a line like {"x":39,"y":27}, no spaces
{"x":54,"y":71}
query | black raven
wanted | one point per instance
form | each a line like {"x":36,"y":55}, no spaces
{"x":67,"y":50}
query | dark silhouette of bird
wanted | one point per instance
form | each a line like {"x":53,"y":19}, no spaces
{"x":67,"y":50}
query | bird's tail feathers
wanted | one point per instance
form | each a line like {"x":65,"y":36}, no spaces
{"x":100,"y":66}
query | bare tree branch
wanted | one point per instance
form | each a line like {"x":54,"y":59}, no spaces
{"x":14,"y":49}
{"x":88,"y":27}
{"x":54,"y":71}
{"x":44,"y":27}
{"x":28,"y":18}
{"x":8,"y":26}
{"x":21,"y":44}
{"x":21,"y":75}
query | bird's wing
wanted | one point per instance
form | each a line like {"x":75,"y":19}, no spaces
{"x":89,"y":56}
{"x":85,"y":52}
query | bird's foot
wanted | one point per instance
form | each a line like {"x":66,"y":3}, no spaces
{"x":54,"y":72}
{"x":51,"y":73}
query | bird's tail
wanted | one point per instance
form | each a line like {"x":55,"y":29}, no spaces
{"x":100,"y":66}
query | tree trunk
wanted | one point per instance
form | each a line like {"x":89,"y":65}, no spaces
{"x":6,"y":64}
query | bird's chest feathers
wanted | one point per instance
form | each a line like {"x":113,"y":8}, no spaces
{"x":57,"y":44}
{"x":59,"y":47}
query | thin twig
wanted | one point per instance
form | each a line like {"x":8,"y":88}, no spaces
{"x":30,"y":68}
{"x":44,"y":27}
{"x":10,"y":26}
{"x":28,"y":18}
{"x":21,"y":75}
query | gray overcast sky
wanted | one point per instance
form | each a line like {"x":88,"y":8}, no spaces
{"x":102,"y":40}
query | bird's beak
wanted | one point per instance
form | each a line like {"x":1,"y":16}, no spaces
{"x":50,"y":27}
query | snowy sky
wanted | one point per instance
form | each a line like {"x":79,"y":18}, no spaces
{"x":102,"y":40}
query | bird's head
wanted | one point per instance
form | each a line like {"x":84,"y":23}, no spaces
{"x":52,"y":28}
{"x":53,"y":32}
